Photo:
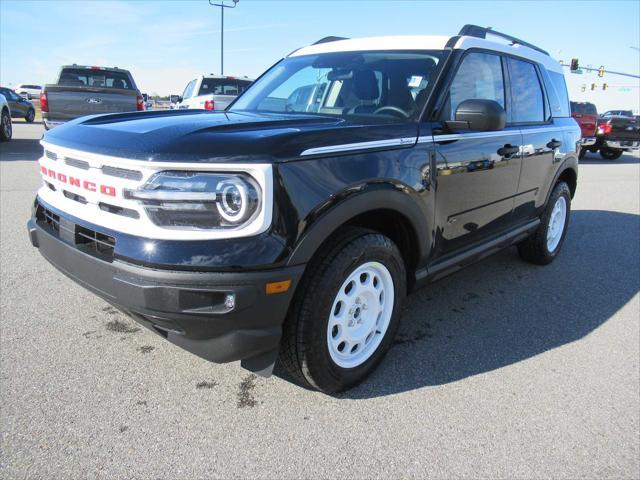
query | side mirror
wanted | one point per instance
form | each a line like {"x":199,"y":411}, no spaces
{"x":479,"y":115}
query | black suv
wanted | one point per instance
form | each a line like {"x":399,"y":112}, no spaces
{"x":20,"y":107}
{"x":295,"y":222}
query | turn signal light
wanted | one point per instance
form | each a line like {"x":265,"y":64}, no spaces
{"x":140,"y":103}
{"x":277,"y":287}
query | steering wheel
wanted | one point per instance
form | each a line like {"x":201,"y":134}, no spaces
{"x":393,"y":109}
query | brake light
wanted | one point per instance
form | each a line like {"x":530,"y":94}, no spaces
{"x":209,"y":105}
{"x":605,"y":128}
{"x":140,"y":103}
{"x":44,"y":102}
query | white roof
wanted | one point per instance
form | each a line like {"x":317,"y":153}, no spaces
{"x":404,"y":42}
{"x":235,"y":77}
{"x":424,"y":42}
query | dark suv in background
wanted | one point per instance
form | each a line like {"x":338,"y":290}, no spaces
{"x":20,"y":107}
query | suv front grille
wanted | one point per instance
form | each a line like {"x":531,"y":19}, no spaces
{"x":51,"y":155}
{"x":122,"y":173}
{"x":74,"y":162}
{"x":88,"y":241}
{"x":95,"y":243}
{"x":48,"y":218}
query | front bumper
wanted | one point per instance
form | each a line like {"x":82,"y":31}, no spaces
{"x":190,"y":309}
{"x":623,"y":144}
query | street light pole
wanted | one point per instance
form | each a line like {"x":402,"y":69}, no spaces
{"x":222,"y":7}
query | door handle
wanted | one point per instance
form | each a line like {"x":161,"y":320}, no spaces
{"x":508,"y":150}
{"x":554,"y":143}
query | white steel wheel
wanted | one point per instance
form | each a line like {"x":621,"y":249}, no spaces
{"x":557,"y":221}
{"x":360,"y":315}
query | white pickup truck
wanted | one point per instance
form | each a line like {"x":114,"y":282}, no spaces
{"x":212,"y":92}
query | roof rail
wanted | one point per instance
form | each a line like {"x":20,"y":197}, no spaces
{"x":329,"y":39}
{"x":481,"y":32}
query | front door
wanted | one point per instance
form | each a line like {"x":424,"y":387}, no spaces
{"x":477,"y":172}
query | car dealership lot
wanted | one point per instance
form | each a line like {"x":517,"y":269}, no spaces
{"x":506,"y":370}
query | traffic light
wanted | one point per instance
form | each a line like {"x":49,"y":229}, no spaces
{"x":574,"y":64}
{"x":593,"y":86}
{"x":604,"y":86}
{"x":601,"y":71}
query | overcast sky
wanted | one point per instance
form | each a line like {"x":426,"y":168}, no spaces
{"x":164,"y":43}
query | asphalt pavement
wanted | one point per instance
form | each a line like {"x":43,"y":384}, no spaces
{"x":502,"y":370}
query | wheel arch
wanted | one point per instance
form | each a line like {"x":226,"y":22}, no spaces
{"x":393,"y":210}
{"x":568,"y":172}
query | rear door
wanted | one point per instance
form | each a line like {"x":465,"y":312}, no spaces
{"x":477,"y":172}
{"x":541,"y":140}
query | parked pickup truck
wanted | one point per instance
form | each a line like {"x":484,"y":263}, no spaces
{"x":616,"y":135}
{"x":82,"y":91}
{"x":291,"y":228}
{"x":211,"y":92}
{"x":586,"y":115}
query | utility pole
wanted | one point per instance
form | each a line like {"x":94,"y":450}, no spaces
{"x":222,"y":6}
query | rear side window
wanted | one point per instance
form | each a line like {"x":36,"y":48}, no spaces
{"x":526,"y":93}
{"x":479,"y":77}
{"x":558,"y":97}
{"x":79,"y":77}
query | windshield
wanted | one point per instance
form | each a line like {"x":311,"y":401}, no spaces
{"x":378,"y":85}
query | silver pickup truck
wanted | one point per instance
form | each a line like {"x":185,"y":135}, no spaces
{"x":82,"y":91}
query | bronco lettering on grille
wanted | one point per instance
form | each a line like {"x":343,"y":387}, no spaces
{"x":78,"y":182}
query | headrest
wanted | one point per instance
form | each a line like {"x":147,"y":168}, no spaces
{"x":365,"y":85}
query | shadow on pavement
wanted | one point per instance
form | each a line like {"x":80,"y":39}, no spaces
{"x":503,"y":311}
{"x":20,"y":149}
{"x":596,"y":159}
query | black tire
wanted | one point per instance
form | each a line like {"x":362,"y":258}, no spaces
{"x":610,"y":153}
{"x":535,"y":249}
{"x":582,"y":153}
{"x":6,"y":129}
{"x":304,"y":350}
{"x":30,"y":116}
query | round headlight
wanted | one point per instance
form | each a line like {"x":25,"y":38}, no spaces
{"x":233,"y":201}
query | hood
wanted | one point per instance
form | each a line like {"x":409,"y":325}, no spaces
{"x":217,"y":136}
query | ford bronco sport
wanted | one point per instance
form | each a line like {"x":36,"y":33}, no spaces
{"x":294,"y":223}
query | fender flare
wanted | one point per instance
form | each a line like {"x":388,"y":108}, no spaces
{"x":568,"y":163}
{"x":324,"y":221}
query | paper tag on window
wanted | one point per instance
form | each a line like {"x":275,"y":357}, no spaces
{"x":415,"y":81}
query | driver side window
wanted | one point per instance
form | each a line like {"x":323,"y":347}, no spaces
{"x":188,"y":89}
{"x":478,"y":77}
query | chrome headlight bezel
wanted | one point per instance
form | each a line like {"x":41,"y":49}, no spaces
{"x":199,"y":200}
